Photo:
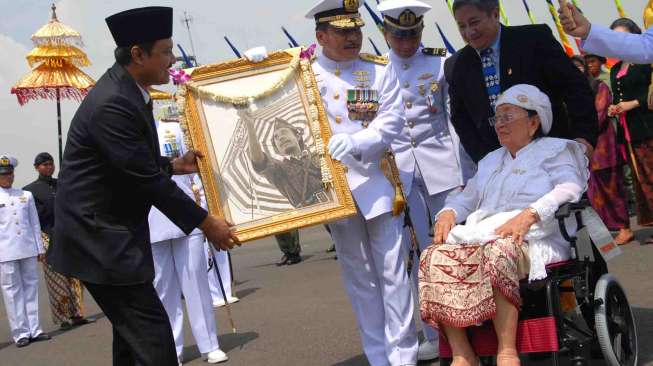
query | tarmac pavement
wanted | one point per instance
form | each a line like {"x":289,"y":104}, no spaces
{"x":291,"y":315}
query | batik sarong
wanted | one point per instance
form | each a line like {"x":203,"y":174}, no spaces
{"x":456,"y":282}
{"x":65,"y":294}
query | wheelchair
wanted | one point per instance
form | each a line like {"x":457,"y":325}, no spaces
{"x":579,"y":313}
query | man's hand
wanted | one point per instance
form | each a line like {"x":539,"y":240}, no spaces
{"x":41,"y":258}
{"x":518,"y":226}
{"x":577,"y":26}
{"x":219,"y":232}
{"x":613,"y":110}
{"x":256,"y":54}
{"x":341,"y":145}
{"x":446,"y":221}
{"x":186,"y":164}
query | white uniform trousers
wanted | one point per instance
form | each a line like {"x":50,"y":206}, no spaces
{"x":222,"y":260}
{"x":423,"y":208}
{"x":20,"y":284}
{"x":372,"y":261}
{"x":180,"y":267}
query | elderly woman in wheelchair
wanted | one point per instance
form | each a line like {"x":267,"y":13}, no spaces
{"x":472,"y":271}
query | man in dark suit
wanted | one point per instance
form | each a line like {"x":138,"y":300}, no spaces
{"x":112,"y":174}
{"x":497,"y":57}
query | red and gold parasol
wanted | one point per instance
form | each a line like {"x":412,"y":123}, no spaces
{"x":55,"y":74}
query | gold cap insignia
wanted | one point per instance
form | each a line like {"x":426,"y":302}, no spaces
{"x":522,"y":98}
{"x":4,"y":161}
{"x":407,"y":18}
{"x":351,"y":5}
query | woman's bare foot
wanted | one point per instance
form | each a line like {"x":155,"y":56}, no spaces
{"x":624,"y":237}
{"x":466,"y":360}
{"x":508,"y":360}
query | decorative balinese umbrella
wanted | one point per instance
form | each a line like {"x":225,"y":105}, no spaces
{"x":55,"y":73}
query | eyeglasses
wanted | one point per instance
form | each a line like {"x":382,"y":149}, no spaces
{"x":504,"y":119}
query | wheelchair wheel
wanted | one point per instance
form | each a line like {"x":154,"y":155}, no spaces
{"x":615,"y":324}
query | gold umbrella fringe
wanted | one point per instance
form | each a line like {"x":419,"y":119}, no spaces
{"x":244,"y":99}
{"x":55,"y":55}
{"x":45,"y":80}
{"x":24,"y":95}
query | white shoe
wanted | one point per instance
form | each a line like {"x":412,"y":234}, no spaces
{"x":216,"y":356}
{"x":428,"y":350}
{"x":230,"y":299}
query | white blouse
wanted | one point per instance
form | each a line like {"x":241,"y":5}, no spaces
{"x":543,"y":175}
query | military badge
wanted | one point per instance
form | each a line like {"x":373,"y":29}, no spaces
{"x":434,"y":86}
{"x":23,"y":199}
{"x":4,"y":161}
{"x":522,"y":98}
{"x":425,"y":76}
{"x":421,"y":88}
{"x":362,"y":104}
{"x":442,"y":52}
{"x":351,"y":6}
{"x":407,"y":18}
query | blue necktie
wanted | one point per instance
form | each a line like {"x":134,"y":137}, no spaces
{"x":491,"y":77}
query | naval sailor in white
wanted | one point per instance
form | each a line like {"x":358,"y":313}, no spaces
{"x":180,"y":262}
{"x":21,"y":248}
{"x":429,"y":156}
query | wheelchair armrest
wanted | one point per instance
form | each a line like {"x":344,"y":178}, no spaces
{"x":568,"y":208}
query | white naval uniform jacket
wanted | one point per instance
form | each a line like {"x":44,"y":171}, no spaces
{"x":371,"y":190}
{"x":428,"y":139}
{"x":171,"y":142}
{"x":20,"y":231}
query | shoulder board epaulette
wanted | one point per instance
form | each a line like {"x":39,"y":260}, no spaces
{"x":434,"y":51}
{"x":381,"y":60}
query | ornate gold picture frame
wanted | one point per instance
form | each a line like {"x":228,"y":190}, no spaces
{"x":262,"y":130}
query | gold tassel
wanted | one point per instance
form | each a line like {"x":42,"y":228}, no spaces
{"x":391,"y":172}
{"x":399,"y":204}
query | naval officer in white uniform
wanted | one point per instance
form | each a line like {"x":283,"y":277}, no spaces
{"x":21,"y":247}
{"x":362,"y":99}
{"x":180,"y":262}
{"x":429,"y":156}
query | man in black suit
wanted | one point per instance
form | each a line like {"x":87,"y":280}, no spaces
{"x":112,"y":174}
{"x":497,"y":57}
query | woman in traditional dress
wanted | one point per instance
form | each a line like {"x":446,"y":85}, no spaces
{"x":606,"y":188}
{"x":630,"y":84}
{"x":471,"y":273}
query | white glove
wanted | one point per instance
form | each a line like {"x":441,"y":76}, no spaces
{"x":256,"y":54}
{"x":342,"y":145}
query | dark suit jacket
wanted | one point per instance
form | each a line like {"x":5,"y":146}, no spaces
{"x":44,"y":190}
{"x":528,"y":55}
{"x":112,"y":174}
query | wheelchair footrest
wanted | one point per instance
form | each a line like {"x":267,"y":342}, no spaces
{"x":533,"y":335}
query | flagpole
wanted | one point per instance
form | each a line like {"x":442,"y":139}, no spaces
{"x":563,"y":36}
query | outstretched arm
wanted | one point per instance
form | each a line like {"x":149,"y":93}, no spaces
{"x":255,"y":152}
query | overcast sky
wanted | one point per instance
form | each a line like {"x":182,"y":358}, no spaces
{"x":25,"y":131}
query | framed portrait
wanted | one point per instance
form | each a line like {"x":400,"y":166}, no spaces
{"x":262,"y":130}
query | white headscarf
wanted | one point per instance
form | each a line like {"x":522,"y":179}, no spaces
{"x":530,"y":97}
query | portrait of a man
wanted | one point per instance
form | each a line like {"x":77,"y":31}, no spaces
{"x":297,"y":175}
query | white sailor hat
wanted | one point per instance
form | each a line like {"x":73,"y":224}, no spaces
{"x":403,"y":18}
{"x":337,"y":13}
{"x":7,"y":164}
